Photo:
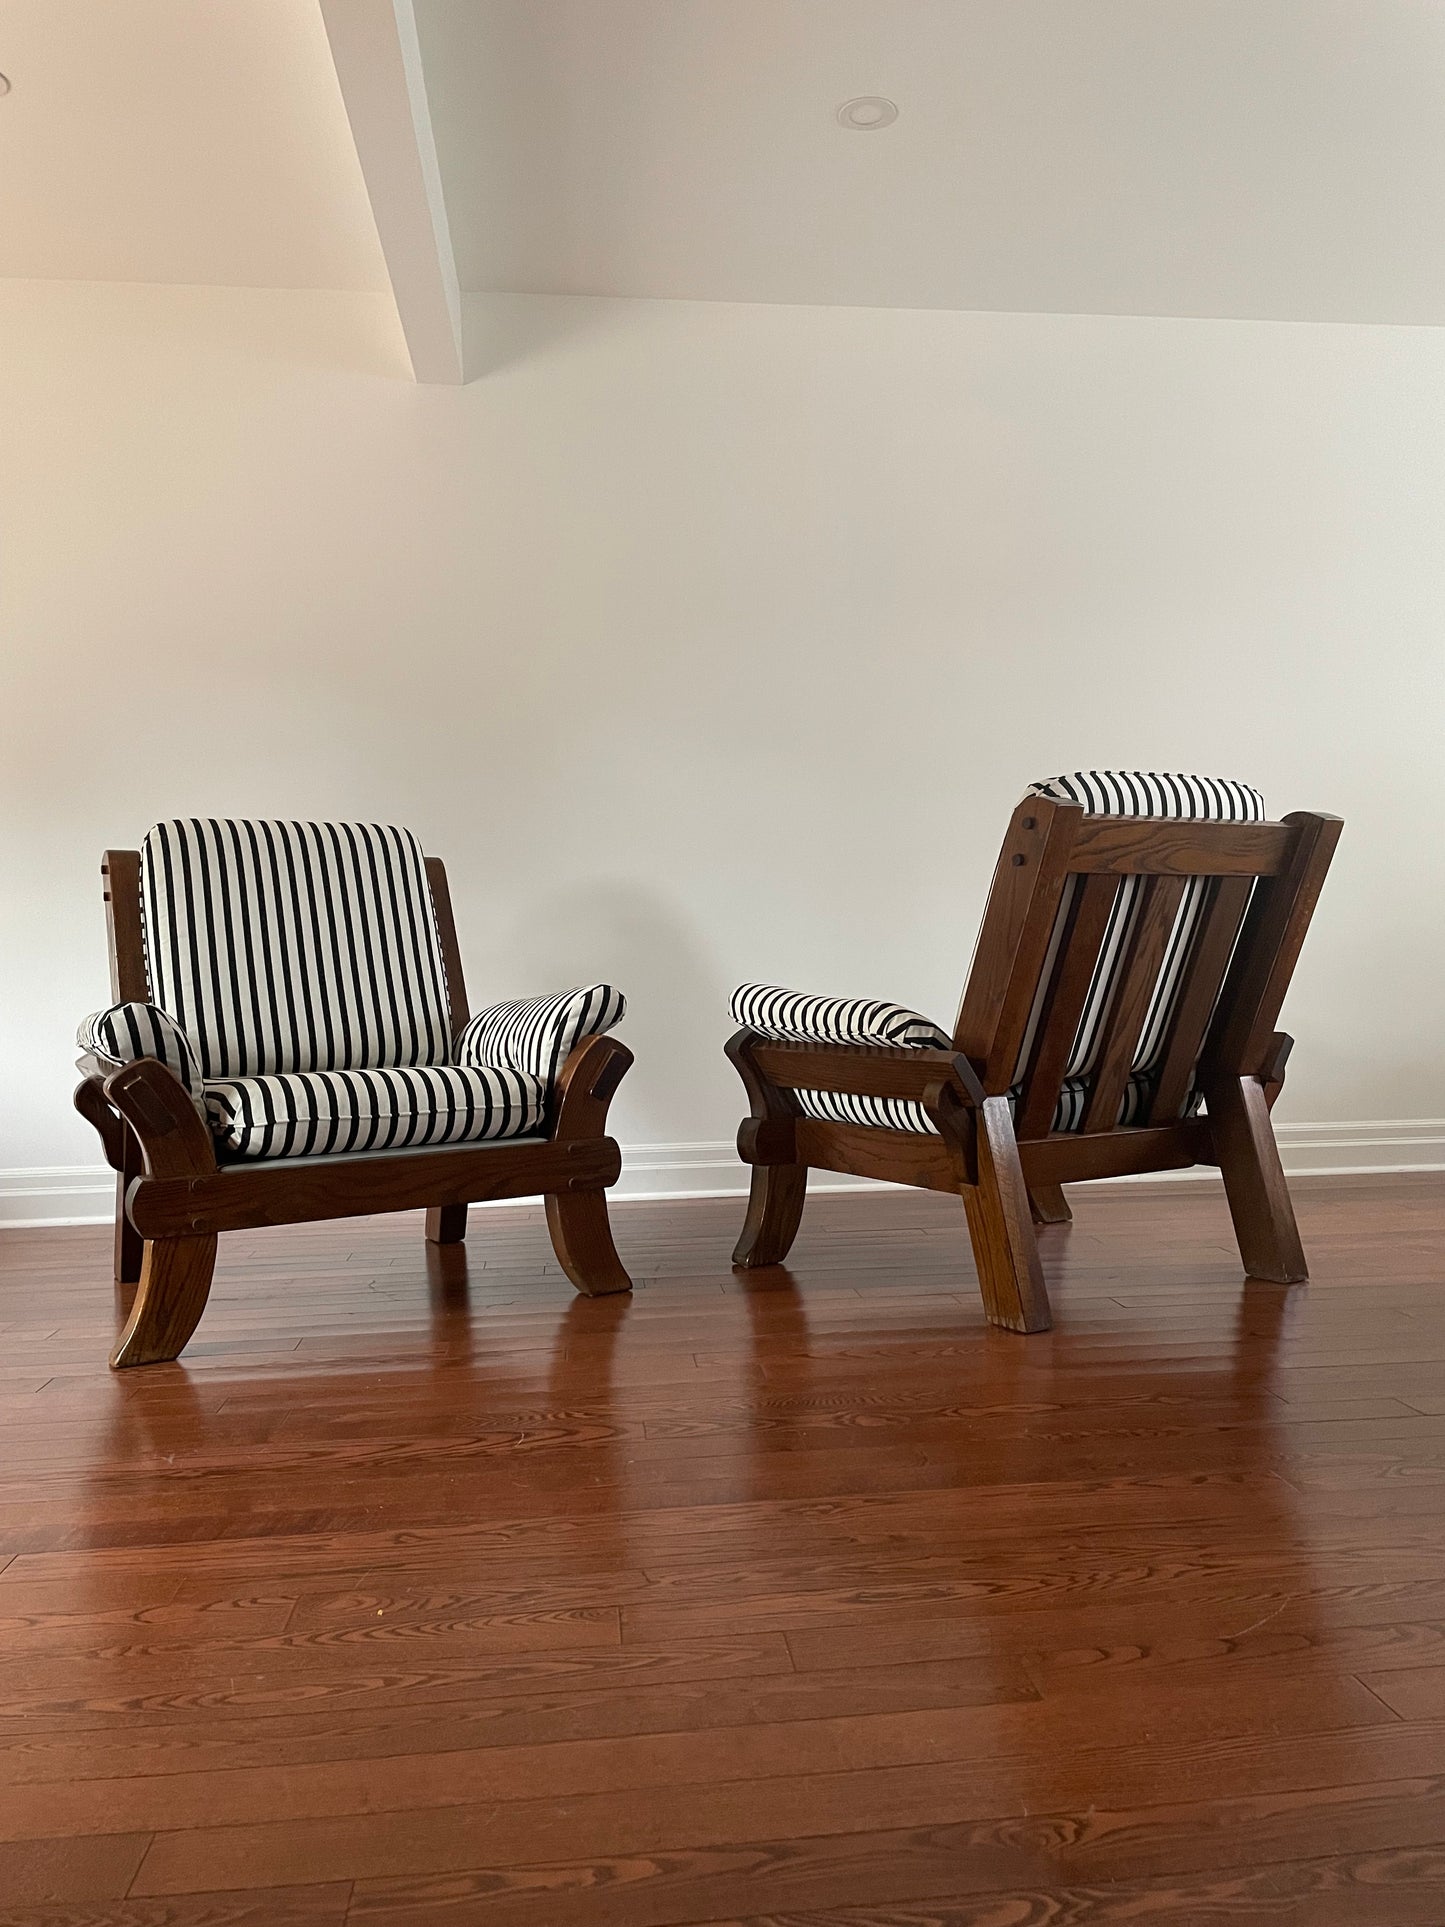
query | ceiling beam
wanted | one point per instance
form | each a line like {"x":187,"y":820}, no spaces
{"x":378,"y":62}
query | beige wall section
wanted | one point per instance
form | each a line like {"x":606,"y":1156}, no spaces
{"x":714,"y":641}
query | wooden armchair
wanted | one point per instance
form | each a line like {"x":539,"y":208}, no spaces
{"x":290,"y":1041}
{"x":1119,"y":1018}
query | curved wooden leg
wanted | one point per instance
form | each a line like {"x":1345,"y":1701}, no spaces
{"x":175,"y":1282}
{"x":582,"y":1239}
{"x":775,"y":1210}
{"x":446,"y":1224}
{"x":1049,"y":1205}
{"x":1005,"y":1249}
{"x":1254,"y":1182}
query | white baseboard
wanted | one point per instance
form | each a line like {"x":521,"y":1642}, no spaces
{"x":44,"y":1194}
{"x":1376,"y":1144}
{"x":36,"y":1195}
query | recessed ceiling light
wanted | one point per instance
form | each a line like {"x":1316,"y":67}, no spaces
{"x":867,"y":113}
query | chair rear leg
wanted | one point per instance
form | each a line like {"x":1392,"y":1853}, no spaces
{"x":1005,"y":1250}
{"x":446,"y":1224}
{"x":128,"y":1240}
{"x":1254,"y":1182}
{"x":775,"y":1210}
{"x":1049,"y":1205}
{"x":582,"y":1239}
{"x":175,"y":1282}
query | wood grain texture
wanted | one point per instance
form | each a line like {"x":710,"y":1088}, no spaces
{"x":426,"y":1591}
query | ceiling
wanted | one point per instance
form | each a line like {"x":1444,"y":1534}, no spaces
{"x":1274,"y":158}
{"x":1270,"y":158}
{"x":178,"y":140}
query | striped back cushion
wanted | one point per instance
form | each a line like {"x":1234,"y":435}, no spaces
{"x":1109,"y":792}
{"x":294,"y":946}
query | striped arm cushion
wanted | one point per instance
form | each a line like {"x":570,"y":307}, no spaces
{"x":284,"y":947}
{"x":902,"y":1114}
{"x":790,"y":1016}
{"x":124,"y":1032}
{"x":309,"y":1113}
{"x":1141,"y":793}
{"x":536,"y":1035}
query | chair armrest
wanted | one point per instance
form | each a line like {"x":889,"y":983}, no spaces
{"x":97,"y":1110}
{"x":586,"y":1085}
{"x":794,"y":1016}
{"x":860,"y":1070}
{"x":125,"y":1033}
{"x":173,"y":1137}
{"x":537,"y":1036}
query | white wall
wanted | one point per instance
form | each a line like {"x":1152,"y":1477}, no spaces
{"x":707,"y":641}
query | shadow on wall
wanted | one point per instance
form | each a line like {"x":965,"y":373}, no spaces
{"x":501,"y":331}
{"x":682,"y":1088}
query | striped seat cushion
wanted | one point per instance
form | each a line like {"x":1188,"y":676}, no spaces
{"x":308,"y":1113}
{"x":124,"y":1032}
{"x":1140,"y":793}
{"x":280,"y":947}
{"x":902,"y":1114}
{"x":536,"y":1035}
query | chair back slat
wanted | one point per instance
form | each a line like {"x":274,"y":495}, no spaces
{"x":1015,"y":940}
{"x":1202,"y":978}
{"x":1065,"y":988}
{"x":1240,"y":1038}
{"x":1133,"y":992}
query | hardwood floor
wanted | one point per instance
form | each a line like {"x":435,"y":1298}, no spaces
{"x":427,"y":1593}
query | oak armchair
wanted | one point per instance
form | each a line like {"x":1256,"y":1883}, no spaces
{"x":290,"y":1041}
{"x":1119,"y":1018}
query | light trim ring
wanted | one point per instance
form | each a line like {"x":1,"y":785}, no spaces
{"x":867,"y":113}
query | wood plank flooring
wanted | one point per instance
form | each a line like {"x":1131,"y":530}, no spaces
{"x":428,"y":1594}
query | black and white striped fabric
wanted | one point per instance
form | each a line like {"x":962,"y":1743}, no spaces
{"x":1135,"y":792}
{"x":123,"y":1032}
{"x":793,"y":1016}
{"x":281,"y":947}
{"x":1141,"y":793}
{"x":902,"y":1114}
{"x":536,"y":1035}
{"x":312,"y":1113}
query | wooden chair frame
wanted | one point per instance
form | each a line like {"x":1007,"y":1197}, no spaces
{"x":1027,"y":987}
{"x":173,"y":1196}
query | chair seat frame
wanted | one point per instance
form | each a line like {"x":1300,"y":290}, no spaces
{"x":174,"y":1197}
{"x":1031,"y":974}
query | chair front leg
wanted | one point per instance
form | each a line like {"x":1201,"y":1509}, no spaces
{"x":1001,"y":1228}
{"x":175,"y":1282}
{"x":166,"y":1132}
{"x":779,"y":1187}
{"x":776,"y":1198}
{"x":578,"y":1220}
{"x":996,"y":1201}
